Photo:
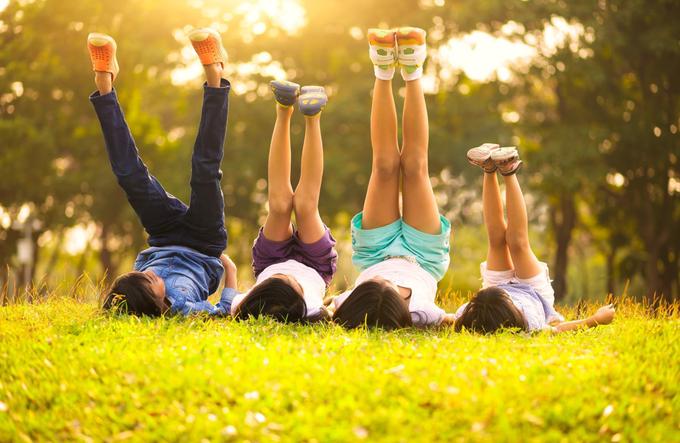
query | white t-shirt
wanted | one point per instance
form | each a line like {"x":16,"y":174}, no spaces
{"x":313,"y":286}
{"x":537,"y":311}
{"x":407,"y":274}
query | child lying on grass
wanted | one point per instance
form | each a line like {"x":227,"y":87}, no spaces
{"x":401,"y":254}
{"x":293,"y":266}
{"x":516,"y":290}
{"x":185,"y":263}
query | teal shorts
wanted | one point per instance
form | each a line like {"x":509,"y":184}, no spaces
{"x":372,"y":246}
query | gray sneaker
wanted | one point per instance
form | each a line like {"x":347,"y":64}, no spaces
{"x":481,"y":156}
{"x":506,"y":160}
{"x":312,"y":100}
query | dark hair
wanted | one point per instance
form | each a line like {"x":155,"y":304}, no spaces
{"x":373,"y":304}
{"x":275,"y":298}
{"x":490,"y":310}
{"x":131,"y":294}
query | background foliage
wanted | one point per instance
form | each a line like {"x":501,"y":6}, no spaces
{"x":588,"y":92}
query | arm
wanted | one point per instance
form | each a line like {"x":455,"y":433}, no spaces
{"x":223,"y":307}
{"x":603,"y":316}
{"x":230,"y":272}
{"x":448,"y":320}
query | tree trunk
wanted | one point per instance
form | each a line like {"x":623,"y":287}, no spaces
{"x":563,"y":218}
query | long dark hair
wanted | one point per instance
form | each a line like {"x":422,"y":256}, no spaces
{"x":275,"y":298}
{"x":489,"y":310}
{"x":373,"y":304}
{"x":131,"y":294}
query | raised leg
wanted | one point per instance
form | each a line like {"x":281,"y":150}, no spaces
{"x":306,"y":199}
{"x":517,"y":234}
{"x":277,"y":227}
{"x":381,"y":206}
{"x":157,"y":210}
{"x":420,"y":205}
{"x":498,"y":256}
{"x":205,"y":216}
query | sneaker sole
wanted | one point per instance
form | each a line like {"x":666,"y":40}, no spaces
{"x":97,"y":39}
{"x":408,"y":36}
{"x":381,"y":37}
{"x":280,"y":87}
{"x":199,"y":35}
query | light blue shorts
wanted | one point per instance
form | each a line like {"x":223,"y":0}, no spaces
{"x":398,"y":239}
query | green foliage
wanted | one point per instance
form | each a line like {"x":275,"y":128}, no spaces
{"x":68,"y":372}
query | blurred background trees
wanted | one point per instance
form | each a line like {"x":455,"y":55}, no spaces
{"x":587,"y":90}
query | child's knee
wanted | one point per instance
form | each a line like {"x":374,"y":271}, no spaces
{"x":386,"y":167}
{"x":281,"y":204}
{"x":414,"y":166}
{"x":306,"y":204}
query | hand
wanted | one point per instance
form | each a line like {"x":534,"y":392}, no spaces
{"x":230,"y":271}
{"x":227,"y":262}
{"x":604,"y":315}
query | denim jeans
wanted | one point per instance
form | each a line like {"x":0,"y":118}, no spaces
{"x":167,"y":220}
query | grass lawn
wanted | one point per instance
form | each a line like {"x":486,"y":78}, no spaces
{"x":68,"y":372}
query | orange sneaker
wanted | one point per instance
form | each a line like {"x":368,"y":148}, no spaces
{"x":102,"y":49}
{"x":208,"y":45}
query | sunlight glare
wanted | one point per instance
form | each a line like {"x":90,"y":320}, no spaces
{"x":287,"y":15}
{"x":481,"y":56}
{"x":24,"y":212}
{"x":5,"y":219}
{"x":77,"y":238}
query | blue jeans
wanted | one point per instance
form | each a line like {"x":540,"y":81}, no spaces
{"x":167,"y":220}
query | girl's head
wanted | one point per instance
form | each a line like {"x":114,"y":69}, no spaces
{"x":374,"y":303}
{"x":489,"y":310}
{"x":137,"y":293}
{"x":279,"y":296}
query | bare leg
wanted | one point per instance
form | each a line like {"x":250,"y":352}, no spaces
{"x":420,"y":205}
{"x":277,"y":227}
{"x":517,"y":234}
{"x":306,"y":199}
{"x":381,"y":206}
{"x":213,"y":74}
{"x":498,"y":256}
{"x":104,"y":82}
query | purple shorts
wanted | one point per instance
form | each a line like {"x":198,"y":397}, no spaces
{"x":320,"y":255}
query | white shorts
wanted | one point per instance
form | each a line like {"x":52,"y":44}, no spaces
{"x":540,"y":282}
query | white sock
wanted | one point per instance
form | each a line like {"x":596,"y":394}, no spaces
{"x":415,"y":57}
{"x":383,"y":64}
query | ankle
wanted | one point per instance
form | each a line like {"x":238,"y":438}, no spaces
{"x":284,"y":111}
{"x":104,"y":82}
{"x":213,"y":74}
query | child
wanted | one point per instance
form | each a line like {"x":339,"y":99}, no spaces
{"x":185,"y":263}
{"x":402,"y":256}
{"x":293,"y":266}
{"x":516,"y":286}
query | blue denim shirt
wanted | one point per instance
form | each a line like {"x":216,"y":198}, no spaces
{"x":189,"y":276}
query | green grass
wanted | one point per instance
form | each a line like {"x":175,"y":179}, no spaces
{"x":67,"y":372}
